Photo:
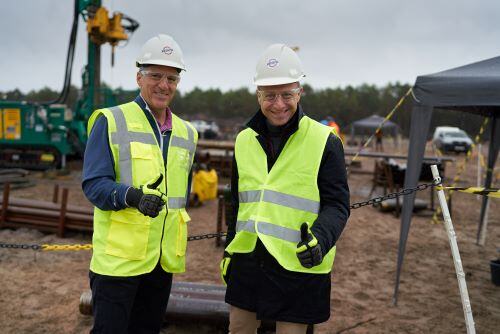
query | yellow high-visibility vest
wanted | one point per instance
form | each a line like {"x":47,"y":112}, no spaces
{"x":125,"y":242}
{"x":273,"y":205}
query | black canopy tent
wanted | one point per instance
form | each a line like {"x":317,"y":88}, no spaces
{"x":369,"y":124}
{"x":472,"y":88}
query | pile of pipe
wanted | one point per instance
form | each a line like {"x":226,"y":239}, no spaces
{"x":16,"y":177}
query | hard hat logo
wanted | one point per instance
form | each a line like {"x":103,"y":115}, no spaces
{"x":167,"y":50}
{"x":272,"y":63}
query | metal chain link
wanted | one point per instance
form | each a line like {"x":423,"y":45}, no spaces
{"x":75,"y":247}
{"x":403,"y":192}
{"x":206,"y":236}
{"x":20,"y":246}
{"x":354,"y":206}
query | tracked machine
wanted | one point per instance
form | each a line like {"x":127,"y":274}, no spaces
{"x":42,"y":135}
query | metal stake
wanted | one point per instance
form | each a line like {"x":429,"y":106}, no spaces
{"x":462,"y":285}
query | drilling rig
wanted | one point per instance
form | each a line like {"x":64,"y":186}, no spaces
{"x":41,"y":135}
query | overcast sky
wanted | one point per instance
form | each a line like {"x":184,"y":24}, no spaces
{"x":342,"y":42}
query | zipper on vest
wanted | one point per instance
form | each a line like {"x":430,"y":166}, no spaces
{"x":166,"y":206}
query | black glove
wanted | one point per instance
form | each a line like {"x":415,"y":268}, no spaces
{"x":308,"y":249}
{"x":225,"y":267}
{"x":146,"y":199}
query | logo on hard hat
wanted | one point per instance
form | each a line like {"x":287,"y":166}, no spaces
{"x":272,"y":62}
{"x":167,"y":50}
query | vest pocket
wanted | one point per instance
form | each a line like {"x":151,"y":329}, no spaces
{"x":181,"y":243}
{"x":128,"y":234}
{"x":143,"y":166}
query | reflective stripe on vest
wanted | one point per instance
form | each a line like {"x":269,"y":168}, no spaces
{"x":188,"y":144}
{"x":122,"y":137}
{"x":248,"y":226}
{"x":280,"y":232}
{"x":249,"y":196}
{"x":271,"y":196}
{"x":176,"y":202}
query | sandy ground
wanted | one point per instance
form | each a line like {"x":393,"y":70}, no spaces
{"x":40,"y":291}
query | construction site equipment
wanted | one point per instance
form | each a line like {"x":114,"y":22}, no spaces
{"x":45,"y":216}
{"x":17,"y":178}
{"x":41,"y":135}
{"x":188,"y":301}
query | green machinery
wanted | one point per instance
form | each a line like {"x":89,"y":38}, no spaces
{"x":42,"y":135}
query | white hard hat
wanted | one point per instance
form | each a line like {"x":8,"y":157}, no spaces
{"x":278,"y":65}
{"x":161,"y":50}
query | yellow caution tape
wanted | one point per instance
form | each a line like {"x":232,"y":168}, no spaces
{"x":491,"y":192}
{"x":389,"y":115}
{"x":482,"y":161}
{"x":75,"y":247}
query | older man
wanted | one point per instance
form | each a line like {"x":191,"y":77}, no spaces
{"x":291,"y":200}
{"x":136,"y":172}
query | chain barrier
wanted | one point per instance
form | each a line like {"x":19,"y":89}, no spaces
{"x":20,"y":246}
{"x":77,"y":247}
{"x":403,"y":192}
{"x":206,"y":236}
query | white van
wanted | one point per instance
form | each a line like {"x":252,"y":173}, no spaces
{"x":451,"y":139}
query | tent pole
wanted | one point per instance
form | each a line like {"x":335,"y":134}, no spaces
{"x":420,"y":122}
{"x":479,"y":169}
{"x":492,"y":157}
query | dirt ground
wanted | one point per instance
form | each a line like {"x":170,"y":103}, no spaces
{"x":40,"y":290}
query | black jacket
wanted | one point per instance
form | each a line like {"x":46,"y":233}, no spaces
{"x":332,"y":181}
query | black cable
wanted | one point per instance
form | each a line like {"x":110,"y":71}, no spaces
{"x":69,"y":60}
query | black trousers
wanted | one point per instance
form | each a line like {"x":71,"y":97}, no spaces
{"x":135,"y":304}
{"x":257,"y":283}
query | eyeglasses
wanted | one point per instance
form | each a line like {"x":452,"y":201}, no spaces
{"x":157,"y":77}
{"x":286,"y":96}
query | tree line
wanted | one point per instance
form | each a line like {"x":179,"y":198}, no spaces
{"x":344,"y":104}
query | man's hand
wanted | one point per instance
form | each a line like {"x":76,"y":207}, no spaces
{"x":147,"y":199}
{"x":308,"y":249}
{"x":225,"y":268}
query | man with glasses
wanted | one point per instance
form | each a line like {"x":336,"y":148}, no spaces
{"x":291,"y":200}
{"x":136,"y":172}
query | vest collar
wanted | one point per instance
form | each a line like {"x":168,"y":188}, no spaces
{"x":144,"y":106}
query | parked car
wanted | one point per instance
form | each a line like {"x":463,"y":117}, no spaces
{"x":451,"y":139}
